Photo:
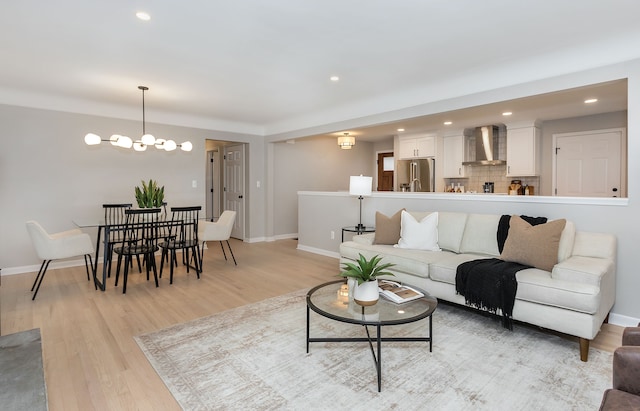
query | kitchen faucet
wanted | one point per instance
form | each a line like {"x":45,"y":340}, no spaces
{"x":412,"y":187}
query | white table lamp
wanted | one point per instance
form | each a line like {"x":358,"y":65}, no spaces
{"x":360,"y":186}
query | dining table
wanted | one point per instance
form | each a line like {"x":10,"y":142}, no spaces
{"x":103,"y":236}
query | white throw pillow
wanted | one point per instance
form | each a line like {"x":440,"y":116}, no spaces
{"x":419,"y":235}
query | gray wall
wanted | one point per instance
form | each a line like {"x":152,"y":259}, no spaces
{"x":312,"y":164}
{"x":48,"y":173}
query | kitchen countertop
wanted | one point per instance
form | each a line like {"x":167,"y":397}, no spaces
{"x":501,"y":197}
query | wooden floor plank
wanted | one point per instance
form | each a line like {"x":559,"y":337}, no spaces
{"x":91,"y":360}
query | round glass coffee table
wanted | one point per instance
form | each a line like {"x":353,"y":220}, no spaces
{"x":331,"y":302}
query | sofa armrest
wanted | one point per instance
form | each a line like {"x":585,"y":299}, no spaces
{"x":631,"y":336}
{"x":583,"y":270}
{"x":599,"y":245}
{"x":364,"y":239}
{"x":626,"y":369}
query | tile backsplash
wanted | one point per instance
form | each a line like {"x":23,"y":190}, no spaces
{"x":478,"y":175}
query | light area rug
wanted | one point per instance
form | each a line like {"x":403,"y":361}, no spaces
{"x":254,"y":357}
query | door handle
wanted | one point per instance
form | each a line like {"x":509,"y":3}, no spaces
{"x":240,"y":196}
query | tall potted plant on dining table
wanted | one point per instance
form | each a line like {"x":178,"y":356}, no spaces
{"x":366,"y":273}
{"x":150,"y":195}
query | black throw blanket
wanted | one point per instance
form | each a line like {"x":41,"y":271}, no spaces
{"x":490,"y":284}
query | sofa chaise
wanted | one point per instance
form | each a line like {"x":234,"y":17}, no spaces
{"x":570,"y":287}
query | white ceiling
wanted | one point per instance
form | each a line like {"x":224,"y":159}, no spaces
{"x":263,"y":67}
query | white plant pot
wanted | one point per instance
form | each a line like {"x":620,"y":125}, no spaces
{"x":366,"y":293}
{"x":351,"y":283}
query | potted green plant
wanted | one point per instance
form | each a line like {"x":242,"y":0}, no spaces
{"x":150,"y":195}
{"x":366,"y":273}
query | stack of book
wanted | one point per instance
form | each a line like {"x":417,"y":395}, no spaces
{"x":397,"y":292}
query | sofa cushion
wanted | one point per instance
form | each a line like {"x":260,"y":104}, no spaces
{"x":419,"y":235}
{"x":444,"y":269}
{"x":534,"y":245}
{"x":450,"y":230}
{"x":415,"y":262}
{"x":566,"y":241}
{"x":481,"y":235}
{"x":387,"y":228}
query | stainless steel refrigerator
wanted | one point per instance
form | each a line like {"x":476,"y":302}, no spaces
{"x":417,"y":175}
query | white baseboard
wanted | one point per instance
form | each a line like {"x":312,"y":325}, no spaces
{"x":283,"y":237}
{"x":623,"y":320}
{"x":35,"y":268}
{"x":319,"y":251}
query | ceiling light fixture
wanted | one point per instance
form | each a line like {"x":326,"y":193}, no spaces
{"x":143,"y":16}
{"x":401,"y":129}
{"x":334,"y":78}
{"x":448,"y":123}
{"x":507,"y":113}
{"x":346,"y":142}
{"x":591,"y":100}
{"x":92,"y":139}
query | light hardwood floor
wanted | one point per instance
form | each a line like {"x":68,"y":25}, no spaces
{"x":91,"y":360}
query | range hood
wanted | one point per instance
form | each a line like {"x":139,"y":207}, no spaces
{"x":487,"y":147}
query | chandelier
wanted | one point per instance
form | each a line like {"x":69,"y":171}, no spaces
{"x":146,"y":140}
{"x":346,"y":142}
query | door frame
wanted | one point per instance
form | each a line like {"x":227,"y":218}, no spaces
{"x":375,"y":167}
{"x":219,"y":177}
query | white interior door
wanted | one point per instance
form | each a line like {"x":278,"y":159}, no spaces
{"x":588,"y":164}
{"x":234,"y":187}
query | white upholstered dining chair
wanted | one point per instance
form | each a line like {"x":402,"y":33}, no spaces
{"x":218,"y":231}
{"x":65,"y":244}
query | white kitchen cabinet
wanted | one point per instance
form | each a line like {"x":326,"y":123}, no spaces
{"x":417,"y":147}
{"x":523,"y":151}
{"x":453,"y":150}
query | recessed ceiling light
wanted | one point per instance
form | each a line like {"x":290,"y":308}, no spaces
{"x":507,"y":113}
{"x":143,"y":16}
{"x":401,"y":129}
{"x":334,"y":78}
{"x":591,"y":100}
{"x":448,"y":123}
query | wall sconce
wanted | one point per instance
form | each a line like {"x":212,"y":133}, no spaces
{"x":346,"y":142}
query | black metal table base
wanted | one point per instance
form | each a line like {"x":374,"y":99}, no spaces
{"x":377,"y":358}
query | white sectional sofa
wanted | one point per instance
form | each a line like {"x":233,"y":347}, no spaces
{"x":574,"y":297}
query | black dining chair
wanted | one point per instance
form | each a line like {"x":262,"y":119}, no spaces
{"x":115,"y":218}
{"x":140,"y":238}
{"x":183,"y":235}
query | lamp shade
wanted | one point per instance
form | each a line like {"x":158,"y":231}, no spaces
{"x":186,"y":146}
{"x":170,"y":145}
{"x":346,"y":142}
{"x":148,"y":140}
{"x":360,"y":185}
{"x":92,"y":139}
